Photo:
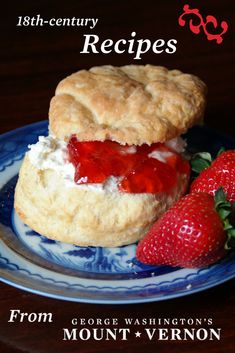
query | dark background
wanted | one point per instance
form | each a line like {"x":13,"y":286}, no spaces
{"x":32,"y":62}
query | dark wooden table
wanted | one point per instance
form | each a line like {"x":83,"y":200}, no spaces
{"x":32,"y":61}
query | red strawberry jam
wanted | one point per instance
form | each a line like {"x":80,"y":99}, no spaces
{"x":96,"y":161}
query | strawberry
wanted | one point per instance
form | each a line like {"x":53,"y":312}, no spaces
{"x":195,"y":232}
{"x":221,"y":173}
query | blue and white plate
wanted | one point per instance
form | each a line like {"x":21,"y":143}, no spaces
{"x":34,"y":263}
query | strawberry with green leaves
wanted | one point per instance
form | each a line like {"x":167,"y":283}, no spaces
{"x":216,"y":174}
{"x":195,"y":232}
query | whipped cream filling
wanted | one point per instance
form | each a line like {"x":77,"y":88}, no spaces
{"x":160,"y":155}
{"x":51,"y":153}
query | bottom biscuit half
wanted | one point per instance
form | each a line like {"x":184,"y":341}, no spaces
{"x":86,"y":217}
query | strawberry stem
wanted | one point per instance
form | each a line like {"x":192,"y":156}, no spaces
{"x":200,"y":161}
{"x":221,"y":150}
{"x":224,"y":209}
{"x":203,"y":160}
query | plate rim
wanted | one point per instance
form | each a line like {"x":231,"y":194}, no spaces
{"x":22,"y":128}
{"x":117,"y":302}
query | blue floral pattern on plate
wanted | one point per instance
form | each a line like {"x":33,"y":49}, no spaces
{"x":32,"y":262}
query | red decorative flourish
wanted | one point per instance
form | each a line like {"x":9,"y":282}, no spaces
{"x":195,"y":28}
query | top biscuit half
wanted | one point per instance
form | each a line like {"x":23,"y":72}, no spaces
{"x":132,"y":104}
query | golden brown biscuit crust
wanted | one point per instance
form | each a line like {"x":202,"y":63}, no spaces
{"x":132,"y":104}
{"x":85,"y":217}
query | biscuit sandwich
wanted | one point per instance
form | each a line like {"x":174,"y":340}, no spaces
{"x":113,"y":162}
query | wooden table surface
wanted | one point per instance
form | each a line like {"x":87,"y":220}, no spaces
{"x":32,"y":61}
